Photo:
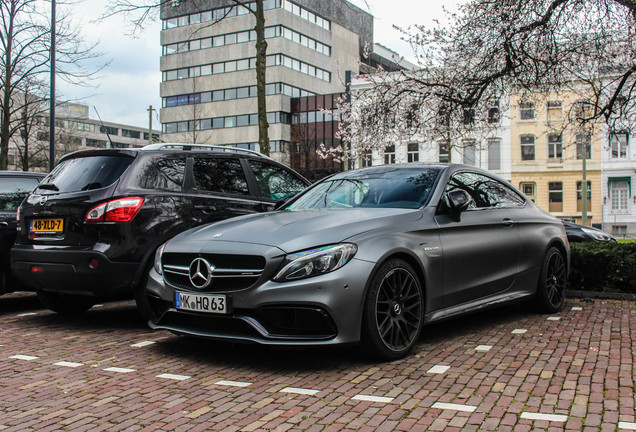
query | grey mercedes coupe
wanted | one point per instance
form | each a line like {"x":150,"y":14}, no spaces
{"x":367,"y":256}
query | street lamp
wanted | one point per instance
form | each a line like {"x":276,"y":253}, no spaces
{"x":52,"y":101}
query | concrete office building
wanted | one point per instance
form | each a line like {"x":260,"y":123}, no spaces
{"x":208,"y":64}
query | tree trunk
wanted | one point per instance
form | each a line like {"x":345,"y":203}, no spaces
{"x":261,"y":65}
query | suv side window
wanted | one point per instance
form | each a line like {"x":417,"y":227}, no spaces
{"x":163,"y":174}
{"x":274,"y":182}
{"x":485,"y":191}
{"x":219,"y":175}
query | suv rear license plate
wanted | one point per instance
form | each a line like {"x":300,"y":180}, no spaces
{"x":46,"y":225}
{"x":201,"y":303}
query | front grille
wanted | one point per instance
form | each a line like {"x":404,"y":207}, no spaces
{"x":229,"y":273}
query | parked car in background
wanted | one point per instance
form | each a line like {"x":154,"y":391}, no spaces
{"x":580,"y":233}
{"x":14,"y":187}
{"x":367,"y":256}
{"x":91,"y":228}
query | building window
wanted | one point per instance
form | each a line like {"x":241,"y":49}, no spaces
{"x":526,"y":110}
{"x":494,"y":154}
{"x":444,"y":152}
{"x":618,"y":145}
{"x":619,"y":231}
{"x":527,"y":148}
{"x":469,"y":116}
{"x":619,"y":195}
{"x":555,"y":110}
{"x":583,"y":140}
{"x":130,"y":133}
{"x":494,"y":115}
{"x":366,"y":159}
{"x":555,"y":146}
{"x":555,"y":198}
{"x":579,"y":196}
{"x":529,"y":189}
{"x":389,"y":154}
{"x":469,"y":152}
{"x":108,"y":130}
{"x":413,"y":152}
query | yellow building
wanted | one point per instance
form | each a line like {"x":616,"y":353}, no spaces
{"x":547,"y":154}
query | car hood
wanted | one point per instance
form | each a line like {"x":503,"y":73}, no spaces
{"x":291,"y":231}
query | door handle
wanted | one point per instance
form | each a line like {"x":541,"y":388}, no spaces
{"x":507,"y":222}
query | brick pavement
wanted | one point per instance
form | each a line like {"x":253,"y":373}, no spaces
{"x":570,"y":372}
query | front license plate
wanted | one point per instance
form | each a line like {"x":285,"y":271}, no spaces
{"x":47,"y":225}
{"x":201,"y":302}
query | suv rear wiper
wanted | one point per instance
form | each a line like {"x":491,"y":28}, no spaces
{"x":49,"y":186}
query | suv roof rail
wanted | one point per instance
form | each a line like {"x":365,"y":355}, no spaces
{"x":229,"y":149}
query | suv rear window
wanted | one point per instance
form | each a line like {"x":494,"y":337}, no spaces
{"x":85,"y":173}
{"x":13,"y":190}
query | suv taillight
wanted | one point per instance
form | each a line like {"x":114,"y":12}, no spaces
{"x":119,"y":210}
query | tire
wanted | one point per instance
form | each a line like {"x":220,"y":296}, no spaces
{"x":552,"y":279}
{"x":393,"y":312}
{"x":66,"y":304}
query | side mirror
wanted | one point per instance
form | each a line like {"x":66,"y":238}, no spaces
{"x":457,"y":201}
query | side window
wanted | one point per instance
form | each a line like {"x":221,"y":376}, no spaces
{"x":163,"y":174}
{"x":485,"y":191}
{"x":219,"y":175}
{"x":275,"y":182}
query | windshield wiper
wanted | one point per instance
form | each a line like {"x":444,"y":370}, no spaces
{"x":48,"y":186}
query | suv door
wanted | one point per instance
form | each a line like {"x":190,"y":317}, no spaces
{"x":218,"y":188}
{"x":275,"y":182}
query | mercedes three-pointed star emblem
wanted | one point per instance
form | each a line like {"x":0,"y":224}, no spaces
{"x":200,"y":273}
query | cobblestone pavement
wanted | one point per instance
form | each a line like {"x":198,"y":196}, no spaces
{"x":504,"y":370}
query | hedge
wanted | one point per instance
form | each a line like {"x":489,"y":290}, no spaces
{"x":603,"y":267}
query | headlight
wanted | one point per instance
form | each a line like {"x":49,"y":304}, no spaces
{"x":158,"y":254}
{"x":595,"y":234}
{"x":314,"y":262}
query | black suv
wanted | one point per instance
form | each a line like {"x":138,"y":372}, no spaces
{"x":91,"y":228}
{"x":14,"y":187}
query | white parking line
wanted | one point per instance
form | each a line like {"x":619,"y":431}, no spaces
{"x":483,"y":348}
{"x":23,"y":357}
{"x":519,"y":331}
{"x":174,"y":377}
{"x":233,"y":383}
{"x":438,"y":369}
{"x":554,"y":318}
{"x":627,"y":425}
{"x":547,"y":417}
{"x":366,"y":398}
{"x":68,"y":364}
{"x":299,"y":391}
{"x":118,"y":369}
{"x":577,"y":308}
{"x":142,"y":344}
{"x":455,"y":407}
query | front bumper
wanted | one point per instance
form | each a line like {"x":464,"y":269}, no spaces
{"x":71,"y":271}
{"x":323,"y":310}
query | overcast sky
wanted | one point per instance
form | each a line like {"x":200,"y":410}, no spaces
{"x":130,"y":83}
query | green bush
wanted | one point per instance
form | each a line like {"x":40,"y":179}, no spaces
{"x":603,"y":267}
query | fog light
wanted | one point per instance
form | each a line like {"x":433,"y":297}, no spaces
{"x":93,"y":263}
{"x":37,"y":269}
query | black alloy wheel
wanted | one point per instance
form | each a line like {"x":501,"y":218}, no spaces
{"x":393,"y":311}
{"x":552,"y":281}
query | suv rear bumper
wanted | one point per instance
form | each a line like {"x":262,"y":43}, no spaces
{"x":71,"y":272}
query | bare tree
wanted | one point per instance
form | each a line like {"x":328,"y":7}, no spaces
{"x":490,"y":49}
{"x":139,"y":12}
{"x":24,"y":60}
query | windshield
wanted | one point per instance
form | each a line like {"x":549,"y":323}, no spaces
{"x":13,"y":190}
{"x":85,"y":173}
{"x":382,"y":187}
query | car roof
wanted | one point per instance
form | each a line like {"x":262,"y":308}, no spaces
{"x":22,"y":174}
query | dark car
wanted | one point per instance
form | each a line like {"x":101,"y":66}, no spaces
{"x":90,"y":229}
{"x":580,"y":233}
{"x":14,"y":187}
{"x":366,"y":256}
